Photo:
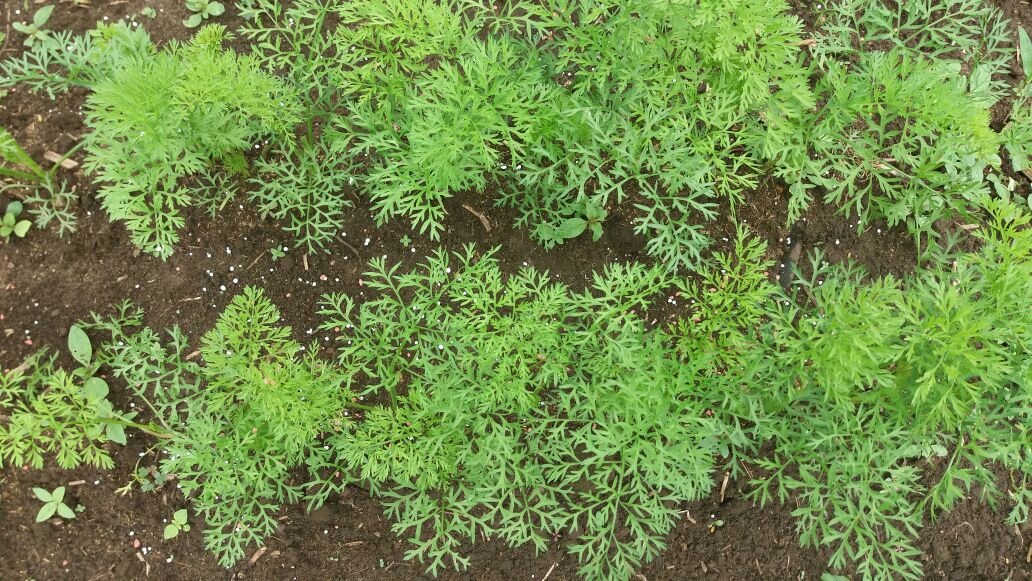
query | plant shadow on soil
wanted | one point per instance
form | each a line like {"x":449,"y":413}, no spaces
{"x":47,"y":283}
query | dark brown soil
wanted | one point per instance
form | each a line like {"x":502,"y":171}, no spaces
{"x":47,"y":283}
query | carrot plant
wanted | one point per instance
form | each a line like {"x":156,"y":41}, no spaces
{"x":566,"y":110}
{"x":518,"y":408}
{"x":236,"y":425}
{"x":864,"y":389}
{"x":159,"y":116}
{"x":903,"y":131}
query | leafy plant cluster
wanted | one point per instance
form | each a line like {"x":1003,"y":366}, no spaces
{"x":1017,"y":133}
{"x":902,"y":133}
{"x":478,"y":404}
{"x":48,"y":201}
{"x":235,"y":424}
{"x":159,"y":116}
{"x":865,"y":389}
{"x":570,"y":111}
{"x":50,"y":411}
{"x":518,"y":409}
{"x":565,"y":109}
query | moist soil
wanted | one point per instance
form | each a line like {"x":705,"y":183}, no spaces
{"x":47,"y":283}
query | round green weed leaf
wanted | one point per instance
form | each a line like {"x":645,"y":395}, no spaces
{"x":21,"y":228}
{"x":14,"y":208}
{"x":46,"y":512}
{"x":41,"y":493}
{"x":116,"y":433}
{"x":572,"y":227}
{"x":64,"y":512}
{"x":79,"y":345}
{"x":95,"y":388}
{"x":170,"y":531}
{"x":42,"y":16}
{"x":58,"y":494}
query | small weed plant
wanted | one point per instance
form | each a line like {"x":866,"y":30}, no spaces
{"x":35,"y":31}
{"x":45,"y":199}
{"x":11,"y":225}
{"x":202,"y":10}
{"x":53,"y":503}
{"x":177,"y":525}
{"x":51,"y":411}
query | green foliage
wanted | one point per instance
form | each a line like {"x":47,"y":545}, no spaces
{"x":960,"y":31}
{"x":902,"y":134}
{"x":46,"y":200}
{"x":160,"y":116}
{"x":16,"y":163}
{"x":11,"y":225}
{"x":53,"y":502}
{"x":305,"y":189}
{"x":452,"y":130}
{"x":518,"y":409}
{"x":151,"y":478}
{"x":899,"y":138}
{"x":1017,"y":133}
{"x":53,"y":411}
{"x":864,"y":382}
{"x":178,"y":525}
{"x":238,"y":424}
{"x":563,"y":110}
{"x":34,"y":31}
{"x":670,"y":105}
{"x":729,"y":294}
{"x":202,"y":10}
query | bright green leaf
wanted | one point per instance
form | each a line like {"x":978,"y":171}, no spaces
{"x":42,"y":15}
{"x":22,"y":228}
{"x":46,"y":511}
{"x":572,"y":227}
{"x":41,"y":493}
{"x":193,"y":21}
{"x":216,"y":8}
{"x":180,"y":516}
{"x":171,"y":531}
{"x":116,"y":433}
{"x":79,"y":345}
{"x":58,"y":494}
{"x":95,"y":388}
{"x":14,"y":208}
{"x":64,"y":512}
{"x":1025,"y":52}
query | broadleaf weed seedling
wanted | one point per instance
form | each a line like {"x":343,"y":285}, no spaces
{"x":34,"y":31}
{"x":10,"y":225}
{"x":177,"y":525}
{"x":202,"y":10}
{"x":44,"y":198}
{"x":53,"y":503}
